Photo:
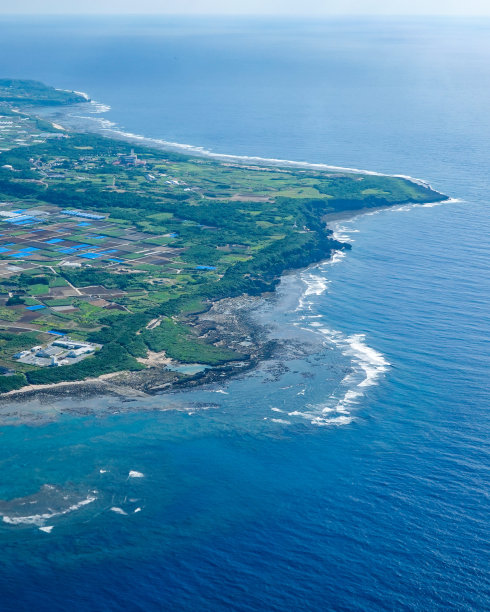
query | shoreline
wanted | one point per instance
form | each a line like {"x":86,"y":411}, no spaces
{"x":235,"y":316}
{"x":232,"y":319}
{"x":110,"y":129}
{"x":352,"y":214}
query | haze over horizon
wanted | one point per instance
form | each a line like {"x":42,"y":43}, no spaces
{"x":252,"y":7}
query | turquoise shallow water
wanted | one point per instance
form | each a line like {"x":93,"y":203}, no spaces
{"x":349,"y":473}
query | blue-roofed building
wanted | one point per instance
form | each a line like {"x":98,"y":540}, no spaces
{"x":22,"y":220}
{"x":77,"y":213}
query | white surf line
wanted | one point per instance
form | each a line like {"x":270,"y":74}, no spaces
{"x":367,"y":367}
{"x":339,"y":232}
{"x":111,"y":126}
{"x":367,"y":364}
{"x":40,"y":519}
{"x":80,"y":93}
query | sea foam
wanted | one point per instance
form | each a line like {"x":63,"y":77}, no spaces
{"x":42,"y":518}
{"x":135,"y":474}
{"x":118,"y":510}
{"x":367,"y":365}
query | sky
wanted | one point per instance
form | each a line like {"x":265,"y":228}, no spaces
{"x":249,"y":7}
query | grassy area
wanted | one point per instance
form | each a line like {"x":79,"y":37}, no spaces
{"x":179,"y":343}
{"x":38,"y":289}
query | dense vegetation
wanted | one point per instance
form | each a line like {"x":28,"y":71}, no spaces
{"x":177,"y":342}
{"x":34,"y":92}
{"x":10,"y":383}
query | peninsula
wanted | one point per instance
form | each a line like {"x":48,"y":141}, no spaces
{"x":109,"y":252}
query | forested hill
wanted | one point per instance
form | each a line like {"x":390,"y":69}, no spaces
{"x":34,"y":92}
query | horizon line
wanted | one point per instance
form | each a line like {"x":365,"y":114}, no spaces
{"x":244,"y":14}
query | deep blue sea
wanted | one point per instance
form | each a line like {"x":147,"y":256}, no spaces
{"x":352,"y":471}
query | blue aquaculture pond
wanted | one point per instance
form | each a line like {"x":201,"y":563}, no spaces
{"x":90,"y":255}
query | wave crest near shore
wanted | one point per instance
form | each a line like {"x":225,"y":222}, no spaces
{"x":47,"y":497}
{"x":367,"y":365}
{"x":107,"y":125}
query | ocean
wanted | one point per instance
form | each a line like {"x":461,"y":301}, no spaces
{"x":350,"y":471}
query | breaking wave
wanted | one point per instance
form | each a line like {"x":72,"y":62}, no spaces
{"x":316,"y":282}
{"x":366,"y":365}
{"x":135,"y":474}
{"x":48,"y":503}
{"x":105,"y":125}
